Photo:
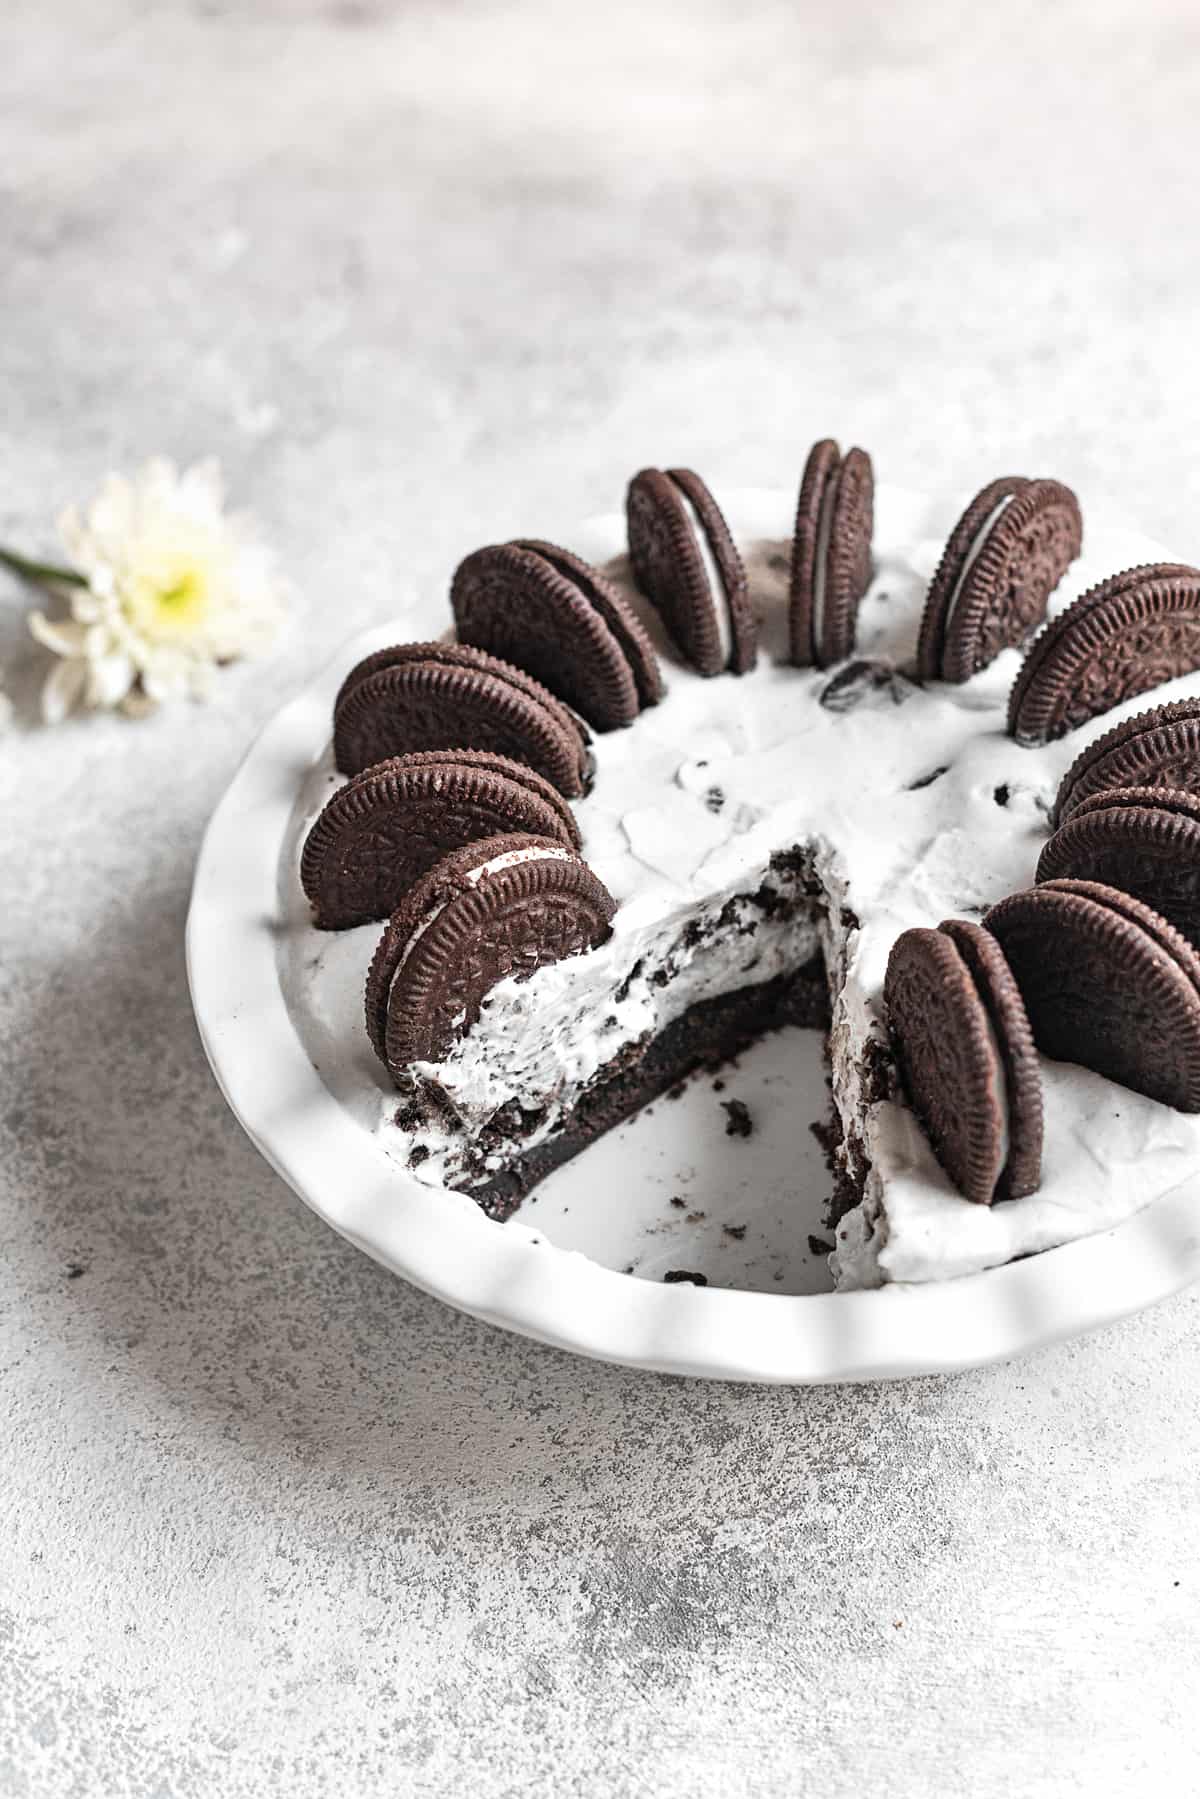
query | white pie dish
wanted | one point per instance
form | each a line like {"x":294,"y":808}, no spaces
{"x":511,"y":1274}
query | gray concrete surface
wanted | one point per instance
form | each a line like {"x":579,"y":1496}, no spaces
{"x":424,"y":274}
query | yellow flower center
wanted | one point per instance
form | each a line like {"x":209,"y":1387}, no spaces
{"x":184,"y":596}
{"x":169,"y":599}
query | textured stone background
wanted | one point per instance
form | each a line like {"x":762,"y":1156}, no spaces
{"x":423,"y":274}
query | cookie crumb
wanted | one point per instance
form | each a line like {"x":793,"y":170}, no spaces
{"x":1002,"y":794}
{"x":677,"y":1202}
{"x":935,"y":774}
{"x":674,"y":1276}
{"x":718,"y":1086}
{"x":738,"y":1122}
{"x":817,"y":1246}
{"x":75,"y":1269}
{"x":714,"y":799}
{"x":736,"y":1231}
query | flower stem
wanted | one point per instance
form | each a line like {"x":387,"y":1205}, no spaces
{"x":39,"y":572}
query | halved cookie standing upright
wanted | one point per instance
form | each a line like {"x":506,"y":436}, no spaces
{"x":1143,"y":840}
{"x":553,"y":615}
{"x":504,"y":906}
{"x":967,"y":1058}
{"x":831,"y":553}
{"x":1107,"y":983}
{"x":449,"y":696}
{"x":1127,"y":634}
{"x":1002,"y":561}
{"x":686,"y":563}
{"x":1158,"y":748}
{"x":378,"y":834}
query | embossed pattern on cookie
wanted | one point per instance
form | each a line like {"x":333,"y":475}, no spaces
{"x":966,"y":1057}
{"x":1127,"y":634}
{"x":1158,"y":748}
{"x":831,"y":553}
{"x":440,"y":696}
{"x":1002,"y":561}
{"x":686,"y":563}
{"x":380,"y":832}
{"x":1142,"y":840}
{"x":504,"y":906}
{"x":550,"y":614}
{"x":1108,"y":984}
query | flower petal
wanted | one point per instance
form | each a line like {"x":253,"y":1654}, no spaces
{"x":62,"y":689}
{"x":62,"y":635}
{"x":109,"y":679}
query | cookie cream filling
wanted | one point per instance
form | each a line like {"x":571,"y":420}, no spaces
{"x":906,"y":805}
{"x":1002,"y":1094}
{"x":493,"y":866}
{"x":820,"y":566}
{"x":716,"y":586}
{"x":976,"y":550}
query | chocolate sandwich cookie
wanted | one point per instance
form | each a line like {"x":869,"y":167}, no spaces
{"x":1002,"y":561}
{"x":559,"y":619}
{"x":1107,"y":983}
{"x":445,"y":696}
{"x":687,"y":564}
{"x":831,"y":553}
{"x":1129,"y":633}
{"x":1143,"y":840}
{"x":379,"y":833}
{"x":1158,"y":748}
{"x":967,"y":1058}
{"x":504,"y":906}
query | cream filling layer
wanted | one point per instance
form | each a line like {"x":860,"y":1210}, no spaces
{"x":978,"y":543}
{"x":910,"y":851}
{"x":716,"y":586}
{"x":493,"y":866}
{"x":1001,"y":1087}
{"x":824,"y":533}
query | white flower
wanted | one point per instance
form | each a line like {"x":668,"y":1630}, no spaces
{"x":174,"y":588}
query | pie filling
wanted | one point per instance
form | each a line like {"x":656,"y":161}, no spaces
{"x":554,"y":1060}
{"x":766,"y":840}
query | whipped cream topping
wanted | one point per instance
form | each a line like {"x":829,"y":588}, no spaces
{"x":913,"y":804}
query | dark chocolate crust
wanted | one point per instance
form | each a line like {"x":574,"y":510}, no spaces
{"x":708,"y":1034}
